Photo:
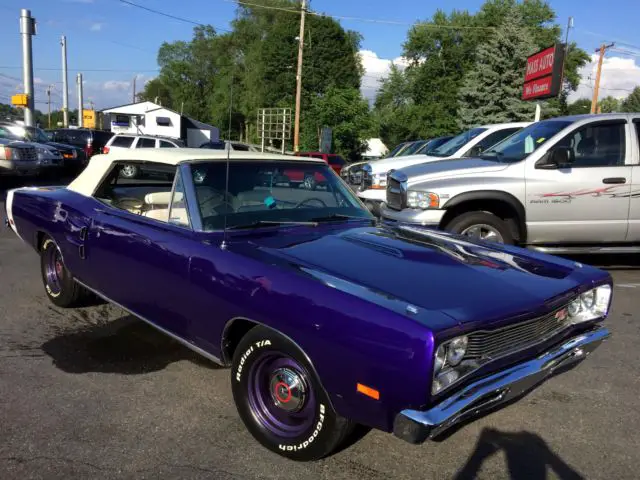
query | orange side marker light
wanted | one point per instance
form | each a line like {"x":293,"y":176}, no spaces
{"x":368,"y":391}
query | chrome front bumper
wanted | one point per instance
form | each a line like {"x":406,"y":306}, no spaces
{"x":417,"y":426}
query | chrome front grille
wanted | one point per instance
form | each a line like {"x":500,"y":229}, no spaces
{"x":27,"y":154}
{"x":498,"y":343}
{"x":396,"y":193}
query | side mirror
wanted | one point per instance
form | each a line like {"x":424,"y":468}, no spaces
{"x":557,"y":157}
{"x":474,"y":151}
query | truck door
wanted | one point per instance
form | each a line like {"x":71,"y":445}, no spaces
{"x":633,"y":234}
{"x":586,"y":201}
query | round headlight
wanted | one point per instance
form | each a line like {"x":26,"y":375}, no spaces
{"x":457,"y":350}
{"x":574,"y":307}
{"x":588,"y":299}
{"x":441,"y":356}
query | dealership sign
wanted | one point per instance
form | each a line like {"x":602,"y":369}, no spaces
{"x":543,"y":76}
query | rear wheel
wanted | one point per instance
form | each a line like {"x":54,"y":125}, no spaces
{"x":309,"y":182}
{"x":481,"y":226}
{"x":280,"y":399}
{"x":59,"y":285}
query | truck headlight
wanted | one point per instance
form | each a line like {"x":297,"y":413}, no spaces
{"x":423,"y":200}
{"x":591,"y":305}
{"x":379,"y":181}
{"x":10,"y":153}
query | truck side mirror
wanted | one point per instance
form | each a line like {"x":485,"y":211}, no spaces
{"x":557,"y":157}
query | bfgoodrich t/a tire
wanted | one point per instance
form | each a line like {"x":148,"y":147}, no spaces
{"x":280,"y":399}
{"x":59,"y":285}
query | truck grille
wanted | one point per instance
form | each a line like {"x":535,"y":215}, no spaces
{"x":27,"y":154}
{"x":396,"y":193}
{"x":497,"y":343}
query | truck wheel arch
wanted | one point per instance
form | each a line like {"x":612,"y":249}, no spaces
{"x":502,"y":204}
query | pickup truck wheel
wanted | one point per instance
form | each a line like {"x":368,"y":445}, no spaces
{"x":280,"y":400}
{"x":129,"y":171}
{"x":61,"y":289}
{"x":309,"y":182}
{"x":481,"y":226}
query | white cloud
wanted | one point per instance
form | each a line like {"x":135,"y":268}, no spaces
{"x":96,"y":27}
{"x":115,"y":85}
{"x":375,"y":69}
{"x":620,"y":76}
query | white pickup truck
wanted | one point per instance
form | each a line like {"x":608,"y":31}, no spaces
{"x":565,"y":185}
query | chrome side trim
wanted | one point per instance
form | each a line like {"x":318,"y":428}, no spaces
{"x":498,"y":388}
{"x":178,"y":339}
{"x":586,"y":249}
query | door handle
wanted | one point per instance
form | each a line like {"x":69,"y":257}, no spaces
{"x":614,"y":180}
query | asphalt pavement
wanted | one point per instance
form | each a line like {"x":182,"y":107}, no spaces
{"x":95,"y":393}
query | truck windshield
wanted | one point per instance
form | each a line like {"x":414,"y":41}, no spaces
{"x":456,"y":143}
{"x":262,"y":194}
{"x":523,"y":143}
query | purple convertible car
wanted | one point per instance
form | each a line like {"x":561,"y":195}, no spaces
{"x":326,"y":319}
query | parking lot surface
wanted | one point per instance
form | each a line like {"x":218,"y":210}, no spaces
{"x":96,"y":393}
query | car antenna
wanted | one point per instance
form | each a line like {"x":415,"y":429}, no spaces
{"x":223,"y":245}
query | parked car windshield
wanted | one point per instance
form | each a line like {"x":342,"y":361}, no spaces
{"x":431,"y":145}
{"x":523,"y":143}
{"x":413,"y":148}
{"x":264,"y":194}
{"x":4,"y":133}
{"x":456,"y":143}
{"x":35,"y":134}
{"x":396,"y":150}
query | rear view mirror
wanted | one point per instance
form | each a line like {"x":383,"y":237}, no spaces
{"x":557,"y":157}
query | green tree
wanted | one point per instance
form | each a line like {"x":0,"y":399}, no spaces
{"x":610,"y":105}
{"x":346,"y":113}
{"x":632,"y":102}
{"x":491,"y":90}
{"x":579,"y":107}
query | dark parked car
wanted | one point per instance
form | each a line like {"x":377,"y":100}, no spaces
{"x":73,"y":157}
{"x":91,"y":141}
{"x":326,"y":320}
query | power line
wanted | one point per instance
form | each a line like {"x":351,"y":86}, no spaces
{"x":168,"y":15}
{"x":362,"y":19}
{"x":6,"y":67}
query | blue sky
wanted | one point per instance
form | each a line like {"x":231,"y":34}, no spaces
{"x":109,"y":35}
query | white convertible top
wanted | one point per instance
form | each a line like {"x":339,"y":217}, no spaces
{"x":87,"y":182}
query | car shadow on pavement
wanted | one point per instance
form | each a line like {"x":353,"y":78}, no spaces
{"x":127,"y":346}
{"x":527,"y":455}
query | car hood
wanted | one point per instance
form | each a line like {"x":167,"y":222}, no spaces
{"x":450,"y":168}
{"x":62,"y":147}
{"x":472,"y":283}
{"x":395,"y":163}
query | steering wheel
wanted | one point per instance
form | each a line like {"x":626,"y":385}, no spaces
{"x":310,"y":199}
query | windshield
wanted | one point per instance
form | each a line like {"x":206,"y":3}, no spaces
{"x":280,"y":192}
{"x":413,"y":148}
{"x":431,"y":145}
{"x":456,"y":143}
{"x":4,"y":133}
{"x":396,"y":150}
{"x":35,"y":134}
{"x":521,"y":144}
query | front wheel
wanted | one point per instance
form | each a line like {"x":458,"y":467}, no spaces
{"x":481,"y":226}
{"x":280,"y":399}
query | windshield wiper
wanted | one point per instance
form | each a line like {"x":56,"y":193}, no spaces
{"x":270,"y":223}
{"x":337,"y":216}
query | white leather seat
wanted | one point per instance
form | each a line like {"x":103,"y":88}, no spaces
{"x":162,"y":198}
{"x":178,"y":215}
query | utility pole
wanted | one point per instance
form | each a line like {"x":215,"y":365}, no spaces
{"x":27,"y":30}
{"x":134,"y":89}
{"x":296,"y":134}
{"x":65,"y":84}
{"x":596,"y":88}
{"x":49,"y":106}
{"x":566,"y":50}
{"x":80,"y":101}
